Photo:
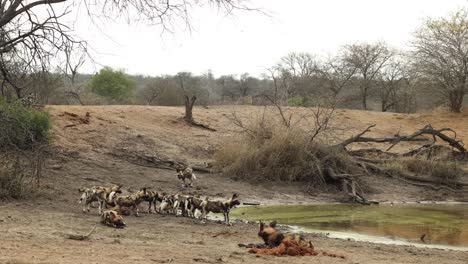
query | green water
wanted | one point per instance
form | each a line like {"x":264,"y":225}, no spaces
{"x":442,"y":224}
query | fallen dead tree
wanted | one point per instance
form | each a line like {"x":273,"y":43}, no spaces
{"x":267,"y":152}
{"x":415,"y":137}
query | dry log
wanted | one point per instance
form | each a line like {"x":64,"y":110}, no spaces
{"x":193,"y":123}
{"x":81,"y":237}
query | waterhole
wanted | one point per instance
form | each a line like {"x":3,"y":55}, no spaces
{"x":425,"y":224}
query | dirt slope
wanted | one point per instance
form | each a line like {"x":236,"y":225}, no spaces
{"x":86,"y":151}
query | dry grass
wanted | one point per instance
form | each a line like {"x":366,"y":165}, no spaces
{"x":440,"y":171}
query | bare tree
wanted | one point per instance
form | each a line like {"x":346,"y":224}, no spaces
{"x":368,"y":59}
{"x":392,"y":80}
{"x":228,"y":85}
{"x":155,"y":87}
{"x":75,"y":57}
{"x":189,"y":86}
{"x":33,"y":32}
{"x":441,"y":56}
{"x":300,"y":69}
{"x":337,"y":74}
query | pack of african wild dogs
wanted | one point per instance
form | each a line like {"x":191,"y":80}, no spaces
{"x":112,"y":205}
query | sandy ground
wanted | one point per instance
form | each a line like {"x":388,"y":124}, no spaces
{"x":33,"y":231}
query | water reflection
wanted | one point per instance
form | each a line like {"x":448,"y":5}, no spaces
{"x":440,"y":224}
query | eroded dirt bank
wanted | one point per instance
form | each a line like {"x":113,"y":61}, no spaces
{"x":32,"y":231}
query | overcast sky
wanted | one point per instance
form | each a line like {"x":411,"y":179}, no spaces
{"x":251,"y":42}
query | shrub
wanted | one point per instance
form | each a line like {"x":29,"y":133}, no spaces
{"x":284,"y":155}
{"x":23,"y":133}
{"x":21,"y":126}
{"x":12,"y":185}
{"x":298,"y":101}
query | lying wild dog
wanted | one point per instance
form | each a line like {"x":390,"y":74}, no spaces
{"x":194,"y":204}
{"x":132,"y":201}
{"x":220,"y":207}
{"x":186,"y":173}
{"x":112,"y":218}
{"x":280,"y":244}
{"x":273,"y":237}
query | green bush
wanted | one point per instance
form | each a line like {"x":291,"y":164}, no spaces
{"x":21,"y":127}
{"x":113,"y":85}
{"x":297,"y":101}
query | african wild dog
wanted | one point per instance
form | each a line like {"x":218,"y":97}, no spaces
{"x":273,"y":237}
{"x":220,"y":207}
{"x":112,"y":218}
{"x":105,"y":195}
{"x":167,"y":204}
{"x":132,"y":201}
{"x":194,"y":204}
{"x":180,"y":202}
{"x":96,"y":194}
{"x":186,"y":173}
{"x":88,"y":197}
{"x":152,"y":198}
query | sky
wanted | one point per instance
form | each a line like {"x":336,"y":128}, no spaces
{"x":251,"y":41}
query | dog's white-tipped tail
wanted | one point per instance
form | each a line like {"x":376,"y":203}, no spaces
{"x":194,"y":176}
{"x":111,"y":197}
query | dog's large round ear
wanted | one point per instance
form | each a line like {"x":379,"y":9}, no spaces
{"x":178,"y":170}
{"x":235,"y":195}
{"x":80,"y":190}
{"x":273,"y":224}
{"x":262,"y":225}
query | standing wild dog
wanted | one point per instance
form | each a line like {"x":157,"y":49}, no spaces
{"x":112,"y":218}
{"x":88,"y":196}
{"x":152,"y":198}
{"x":220,"y":207}
{"x":131,"y":201}
{"x":96,"y":194}
{"x":103,"y":194}
{"x":187,"y":173}
{"x":273,"y":237}
{"x":180,"y":202}
{"x":194,"y":204}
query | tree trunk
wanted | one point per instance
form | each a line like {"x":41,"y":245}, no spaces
{"x":364,"y":100}
{"x":189,"y":102}
{"x":456,"y":100}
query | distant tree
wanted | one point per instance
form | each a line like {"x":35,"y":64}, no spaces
{"x":440,"y":56}
{"x":391,"y":82}
{"x":112,"y":84}
{"x":189,"y":86}
{"x":368,"y":59}
{"x":73,"y":62}
{"x":228,"y":84}
{"x":336,"y":74}
{"x":299,"y":69}
{"x":155,"y":87}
